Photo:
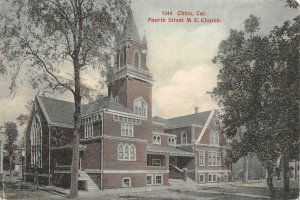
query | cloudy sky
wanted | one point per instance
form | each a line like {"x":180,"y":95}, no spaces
{"x":179,"y":54}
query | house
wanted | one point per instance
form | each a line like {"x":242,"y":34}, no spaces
{"x":121,"y":145}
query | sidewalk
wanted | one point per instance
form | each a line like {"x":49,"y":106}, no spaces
{"x":94,"y":194}
{"x":140,"y":191}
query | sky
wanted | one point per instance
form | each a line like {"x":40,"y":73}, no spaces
{"x":179,"y":54}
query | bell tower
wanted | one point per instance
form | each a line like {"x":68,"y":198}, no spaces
{"x":131,"y":84}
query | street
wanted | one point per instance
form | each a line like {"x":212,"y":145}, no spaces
{"x":13,"y":188}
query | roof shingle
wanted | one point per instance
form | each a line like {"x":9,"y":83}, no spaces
{"x":61,"y":112}
{"x":183,"y":121}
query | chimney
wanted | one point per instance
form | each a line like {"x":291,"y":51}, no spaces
{"x":196,"y":110}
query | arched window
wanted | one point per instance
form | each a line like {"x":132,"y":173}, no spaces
{"x":36,"y":142}
{"x":171,"y":141}
{"x":120,"y":151}
{"x":132,"y":152}
{"x":156,"y":139}
{"x":117,"y":98}
{"x":214,"y":138}
{"x":121,"y":59}
{"x":126,"y":151}
{"x":136,"y":59}
{"x":183,"y":138}
{"x":140,"y":107}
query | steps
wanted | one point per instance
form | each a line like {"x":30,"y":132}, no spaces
{"x":91,"y":185}
{"x":180,"y":182}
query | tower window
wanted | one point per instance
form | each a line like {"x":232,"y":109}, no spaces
{"x":121,"y":59}
{"x":140,"y":107}
{"x":136,"y":60}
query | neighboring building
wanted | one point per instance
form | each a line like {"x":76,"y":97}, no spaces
{"x":197,"y":133}
{"x":120,"y":144}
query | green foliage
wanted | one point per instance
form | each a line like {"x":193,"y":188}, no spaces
{"x":251,"y":24}
{"x":11,"y":133}
{"x":43,"y":40}
{"x":292,"y":3}
{"x":22,"y":119}
{"x":258,"y":90}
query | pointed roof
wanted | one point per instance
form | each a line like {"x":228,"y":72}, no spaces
{"x":131,"y":29}
{"x":59,"y":111}
{"x":144,"y":39}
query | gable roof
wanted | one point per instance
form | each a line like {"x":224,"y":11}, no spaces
{"x":61,"y":112}
{"x":184,"y":121}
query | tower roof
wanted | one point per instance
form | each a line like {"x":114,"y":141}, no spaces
{"x":130,"y":29}
{"x":144,"y":39}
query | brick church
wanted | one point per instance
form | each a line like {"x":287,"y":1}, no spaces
{"x":121,"y":144}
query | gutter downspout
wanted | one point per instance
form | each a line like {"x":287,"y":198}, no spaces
{"x":102,"y":127}
{"x":49,"y":154}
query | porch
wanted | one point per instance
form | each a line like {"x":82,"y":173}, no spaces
{"x":170,"y":159}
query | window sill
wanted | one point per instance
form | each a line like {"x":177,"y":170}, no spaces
{"x":126,"y":160}
{"x":128,"y":136}
{"x":90,"y":138}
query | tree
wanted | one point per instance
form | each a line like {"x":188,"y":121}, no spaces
{"x":257,"y":89}
{"x":55,"y":41}
{"x":11,"y":134}
{"x":284,"y":91}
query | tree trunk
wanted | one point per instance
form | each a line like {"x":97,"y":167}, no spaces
{"x":77,"y":122}
{"x":272,"y":191}
{"x":245,"y":166}
{"x":286,"y":174}
{"x":296,"y":170}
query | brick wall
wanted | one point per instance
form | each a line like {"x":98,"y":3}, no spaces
{"x":115,"y":180}
{"x":91,"y":157}
{"x":179,"y":131}
{"x":110,"y":156}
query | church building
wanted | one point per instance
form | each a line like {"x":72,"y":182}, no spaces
{"x":121,"y":144}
